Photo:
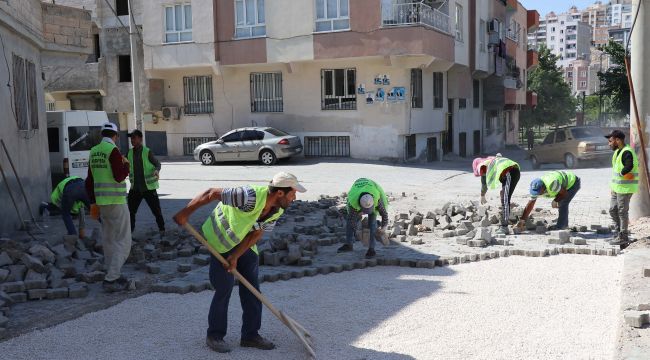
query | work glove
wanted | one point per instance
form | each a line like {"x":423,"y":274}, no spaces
{"x":483,"y":200}
{"x":555,"y":205}
{"x":382,"y":236}
{"x":94,"y":211}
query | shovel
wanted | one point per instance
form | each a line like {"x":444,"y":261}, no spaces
{"x":299,"y":330}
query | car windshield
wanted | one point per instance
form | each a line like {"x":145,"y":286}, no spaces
{"x":583,"y":133}
{"x":276,"y":132}
{"x":82,"y":138}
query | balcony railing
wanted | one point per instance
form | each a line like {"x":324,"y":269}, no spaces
{"x":414,"y":13}
{"x":512,"y":35}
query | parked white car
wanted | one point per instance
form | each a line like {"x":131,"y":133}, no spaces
{"x":263,"y":144}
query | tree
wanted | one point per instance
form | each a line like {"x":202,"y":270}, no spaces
{"x":555,"y":105}
{"x":614,"y":81}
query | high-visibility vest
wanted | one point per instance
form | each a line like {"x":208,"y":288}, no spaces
{"x":556,"y":181}
{"x":148,"y":169}
{"x":107,"y":190}
{"x":227,"y":226}
{"x":57,"y":194}
{"x":362,"y":186}
{"x":628,"y":184}
{"x":495,"y":168}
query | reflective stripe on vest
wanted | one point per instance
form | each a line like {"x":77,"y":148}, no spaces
{"x":148,"y":169}
{"x":495,"y":168}
{"x":619,"y":184}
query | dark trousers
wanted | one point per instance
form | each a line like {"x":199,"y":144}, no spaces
{"x":151,"y":197}
{"x":508,"y":184}
{"x":563,"y":205}
{"x":223,"y":282}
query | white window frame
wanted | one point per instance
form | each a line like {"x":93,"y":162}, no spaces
{"x":482,"y":36}
{"x":177,"y":32}
{"x":244,"y":30}
{"x":346,"y":93}
{"x":328,"y":20}
{"x":459,"y":23}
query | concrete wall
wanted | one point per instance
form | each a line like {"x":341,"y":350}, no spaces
{"x":28,"y":149}
{"x":482,"y":60}
{"x":297,"y":42}
{"x":461,"y":48}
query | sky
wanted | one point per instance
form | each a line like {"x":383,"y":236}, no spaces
{"x":559,"y":6}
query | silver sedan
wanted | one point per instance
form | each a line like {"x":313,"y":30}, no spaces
{"x":263,"y":144}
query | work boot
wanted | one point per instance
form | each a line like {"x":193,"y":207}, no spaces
{"x":217,"y":345}
{"x":502,"y":230}
{"x":621,"y":239}
{"x":117,"y":285}
{"x":257,"y":342}
{"x":344,"y":248}
{"x":370,"y":253}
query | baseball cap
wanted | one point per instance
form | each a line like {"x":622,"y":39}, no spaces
{"x":135,"y":132}
{"x":284,"y":179}
{"x":367,"y":203}
{"x":536,"y":187}
{"x":616,"y":134}
{"x":109,"y":126}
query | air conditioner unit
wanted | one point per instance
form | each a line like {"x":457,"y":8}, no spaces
{"x":494,"y":26}
{"x":171,"y":112}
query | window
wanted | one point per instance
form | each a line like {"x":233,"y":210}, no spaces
{"x":276,"y":132}
{"x":569,"y":74}
{"x":249,"y":18}
{"x":232,"y":137}
{"x":462,"y":103}
{"x":437,"y":90}
{"x":332,"y":15}
{"x":549,"y":139}
{"x":124,"y":64}
{"x":82,"y":138}
{"x":178,"y":23}
{"x":410,"y":142}
{"x":25,"y":96}
{"x":338,"y":89}
{"x":53,"y":139}
{"x":583,"y":84}
{"x":266,"y":92}
{"x":416,"y":88}
{"x":584,"y":133}
{"x":481,"y":36}
{"x":583,"y":73}
{"x":476,"y":94}
{"x":122,"y":7}
{"x":252,"y":135}
{"x":459,"y":23}
{"x":198,"y":95}
{"x":552,"y":38}
{"x":560,"y":137}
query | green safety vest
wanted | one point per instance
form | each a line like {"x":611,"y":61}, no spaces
{"x":495,"y":168}
{"x":363,"y":186}
{"x":227,"y":226}
{"x":619,"y":184}
{"x":147,"y":168}
{"x":57,"y":194}
{"x":556,"y":181}
{"x":107,"y":190}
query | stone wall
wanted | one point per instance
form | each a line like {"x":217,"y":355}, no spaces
{"x":64,"y":25}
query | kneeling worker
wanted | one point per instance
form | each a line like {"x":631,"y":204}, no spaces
{"x":562,"y":186}
{"x":70,"y":197}
{"x":365,"y":197}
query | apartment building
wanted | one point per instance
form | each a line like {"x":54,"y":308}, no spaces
{"x":31,"y":31}
{"x":566,"y":35}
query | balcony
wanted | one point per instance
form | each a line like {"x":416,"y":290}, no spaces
{"x":512,"y":35}
{"x":532,"y":59}
{"x":511,"y":83}
{"x":398,"y":13}
{"x":532,"y":20}
{"x":510,"y":96}
{"x":531,"y":98}
{"x":80,"y":78}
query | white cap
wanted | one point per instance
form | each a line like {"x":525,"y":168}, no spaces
{"x":284,"y":179}
{"x":367,"y":202}
{"x":109,"y":126}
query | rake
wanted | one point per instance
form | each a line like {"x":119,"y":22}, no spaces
{"x":302,"y":334}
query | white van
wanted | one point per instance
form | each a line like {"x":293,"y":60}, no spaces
{"x":70,"y":135}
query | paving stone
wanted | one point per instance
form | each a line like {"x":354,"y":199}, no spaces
{"x":578,"y":240}
{"x":198,"y":286}
{"x":297,"y":274}
{"x":417,"y":241}
{"x":186,"y":252}
{"x":646,"y":272}
{"x":168,"y":255}
{"x":643,"y":307}
{"x":91,"y":277}
{"x":153,"y":268}
{"x":179,"y":287}
{"x":304,"y":261}
{"x":271,"y":277}
{"x":35,"y":284}
{"x":477,"y":243}
{"x":272,"y":258}
{"x":18,"y":297}
{"x":610,"y":252}
{"x":371,"y":262}
{"x":347,"y":266}
{"x":37,"y":294}
{"x":5,"y":259}
{"x":311,"y":271}
{"x":484,"y":256}
{"x":336,"y":268}
{"x":59,"y":293}
{"x":33,"y":263}
{"x":13,"y":287}
{"x":412,"y":230}
{"x":324,"y":270}
{"x":4,"y":321}
{"x":636,"y":319}
{"x":4,"y":274}
{"x":359,"y":265}
{"x":184,"y":268}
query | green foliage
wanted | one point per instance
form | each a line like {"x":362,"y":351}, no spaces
{"x":614,"y":81}
{"x":555,"y":105}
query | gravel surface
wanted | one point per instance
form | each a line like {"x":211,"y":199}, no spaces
{"x":561,"y":307}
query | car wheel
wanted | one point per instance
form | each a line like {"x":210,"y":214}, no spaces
{"x":570,"y":161}
{"x":267,"y":157}
{"x":535,"y":162}
{"x":207,"y":157}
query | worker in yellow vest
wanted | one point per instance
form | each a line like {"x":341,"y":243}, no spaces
{"x":495,"y":171}
{"x":562,"y":187}
{"x":106,"y":188}
{"x":238,"y":222}
{"x":624,"y":183}
{"x":143,"y":175}
{"x":69,"y":197}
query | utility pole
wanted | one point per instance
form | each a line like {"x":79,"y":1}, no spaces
{"x":640,"y":65}
{"x":600,"y":88}
{"x":135,"y":72}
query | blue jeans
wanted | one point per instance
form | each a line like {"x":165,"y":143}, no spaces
{"x":563,"y":213}
{"x":372,"y":224}
{"x":223,"y":282}
{"x":74,"y":191}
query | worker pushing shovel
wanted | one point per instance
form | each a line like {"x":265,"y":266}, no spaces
{"x":231,"y":233}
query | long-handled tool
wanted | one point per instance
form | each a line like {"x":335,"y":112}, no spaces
{"x":296,"y":328}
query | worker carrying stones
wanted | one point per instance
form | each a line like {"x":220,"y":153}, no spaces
{"x":494,"y":171}
{"x":624,"y":183}
{"x":366,"y":197}
{"x":238,"y":222}
{"x":69,"y":197}
{"x":561,"y":186}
